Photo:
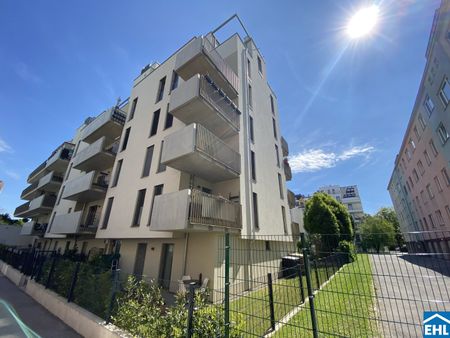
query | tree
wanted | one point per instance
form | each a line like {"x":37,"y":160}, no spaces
{"x":6,"y":219}
{"x":377,"y":233}
{"x":389,"y":215}
{"x":329,"y":218}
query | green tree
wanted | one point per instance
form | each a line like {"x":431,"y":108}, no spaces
{"x":326,"y":217}
{"x":389,"y":215}
{"x":377,"y":233}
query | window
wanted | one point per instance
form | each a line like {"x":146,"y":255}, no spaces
{"x":421,"y":168}
{"x":447,"y":210}
{"x":430,"y":192}
{"x":252,"y":131}
{"x":445,"y":176}
{"x":422,"y":122}
{"x":157,"y":190}
{"x":416,"y":177}
{"x":249,"y":69}
{"x":267,"y":244}
{"x":274,"y":128}
{"x":253,"y":165}
{"x":133,"y":109}
{"x":408,"y":186}
{"x":255,"y":210}
{"x":272,"y":104}
{"x":174,"y":83}
{"x":442,"y":133}
{"x":438,"y":184}
{"x":277,"y":153}
{"x":160,"y":94}
{"x":444,"y":92}
{"x":259,"y":65}
{"x":169,"y":119}
{"x":439,"y":218}
{"x":116,"y":176}
{"x":408,"y":154}
{"x":425,"y":222}
{"x":433,"y":148}
{"x":125,"y":138}
{"x":411,"y":182}
{"x":283,"y":215}
{"x":412,"y":144}
{"x":107,"y":212}
{"x":148,"y":161}
{"x":433,"y":224}
{"x":60,"y":195}
{"x":416,"y":132}
{"x":427,"y":157}
{"x":280,"y":186}
{"x":161,"y":167}
{"x":155,"y":122}
{"x":138,"y":208}
{"x":429,"y":105}
{"x":250,"y":96}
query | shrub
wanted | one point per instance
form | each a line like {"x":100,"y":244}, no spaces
{"x":348,"y":248}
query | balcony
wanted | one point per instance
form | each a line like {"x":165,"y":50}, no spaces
{"x":33,"y":229}
{"x":38,"y":206}
{"x":287,"y":170}
{"x":86,"y":188}
{"x":200,"y":100}
{"x":37,"y":173}
{"x":28,"y":192}
{"x":95,"y":156}
{"x":108,"y":124}
{"x":193,"y":210}
{"x":284,"y":147}
{"x":200,"y":57}
{"x":65,"y":224}
{"x":21,"y":210}
{"x":51,"y":182}
{"x":195,"y":150}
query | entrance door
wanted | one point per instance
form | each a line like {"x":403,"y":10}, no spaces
{"x":165,"y":270}
{"x":140,"y":260}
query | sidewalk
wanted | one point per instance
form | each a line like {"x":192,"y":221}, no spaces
{"x":32,"y":314}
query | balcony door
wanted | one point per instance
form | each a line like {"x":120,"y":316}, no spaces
{"x":92,"y":215}
{"x":165,"y":270}
{"x":140,"y":260}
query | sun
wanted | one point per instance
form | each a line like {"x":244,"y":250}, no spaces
{"x":363,"y":22}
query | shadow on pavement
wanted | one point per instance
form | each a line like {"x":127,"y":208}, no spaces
{"x":437,"y":263}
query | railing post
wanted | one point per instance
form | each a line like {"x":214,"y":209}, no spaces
{"x":227,"y":285}
{"x":316,"y":273}
{"x":309,"y":286}
{"x":74,"y":282}
{"x":271,"y":307}
{"x":50,"y":272}
{"x":300,"y":278}
{"x":190,"y":328}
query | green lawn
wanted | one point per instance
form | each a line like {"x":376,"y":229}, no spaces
{"x":254,"y":306}
{"x":344,"y":307}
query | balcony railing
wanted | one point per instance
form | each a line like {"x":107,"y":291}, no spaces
{"x":194,"y":210}
{"x":33,"y":229}
{"x":89,"y":187}
{"x":72,"y":223}
{"x":287,"y":170}
{"x":37,"y":170}
{"x":194,"y":149}
{"x":43,"y":201}
{"x":95,"y":156}
{"x":22,"y":209}
{"x":28,"y":190}
{"x":108,"y":124}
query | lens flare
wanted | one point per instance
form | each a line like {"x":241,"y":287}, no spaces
{"x":363,"y":22}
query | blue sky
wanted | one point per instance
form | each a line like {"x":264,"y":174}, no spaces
{"x":344,"y":108}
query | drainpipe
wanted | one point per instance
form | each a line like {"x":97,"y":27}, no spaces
{"x":185,"y":253}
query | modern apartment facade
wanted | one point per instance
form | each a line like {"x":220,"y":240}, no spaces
{"x":420,"y":182}
{"x":196,"y":151}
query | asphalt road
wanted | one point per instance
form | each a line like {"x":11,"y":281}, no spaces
{"x":38,"y":321}
{"x":405,"y":287}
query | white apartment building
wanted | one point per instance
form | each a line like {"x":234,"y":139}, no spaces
{"x":196,"y":151}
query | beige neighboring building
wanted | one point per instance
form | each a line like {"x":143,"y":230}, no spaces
{"x":196,"y":151}
{"x":420,"y":182}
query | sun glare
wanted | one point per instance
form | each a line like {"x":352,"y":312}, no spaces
{"x":363,"y":22}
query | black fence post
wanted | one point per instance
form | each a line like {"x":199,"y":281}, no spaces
{"x":316,"y":273}
{"x":50,"y":272}
{"x":41,"y":262}
{"x":300,"y":279}
{"x":271,"y":307}
{"x":190,"y":328}
{"x":74,"y":282}
{"x":227,"y":285}
{"x":115,"y":277}
{"x":309,"y":285}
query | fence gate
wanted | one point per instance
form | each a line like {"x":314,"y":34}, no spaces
{"x":281,"y":286}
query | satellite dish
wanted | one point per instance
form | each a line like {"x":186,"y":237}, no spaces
{"x":1,"y":185}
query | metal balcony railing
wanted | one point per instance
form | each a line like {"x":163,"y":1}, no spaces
{"x":211,"y":145}
{"x":207,"y":209}
{"x":114,"y":114}
{"x":219,"y":100}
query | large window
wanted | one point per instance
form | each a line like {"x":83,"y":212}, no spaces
{"x":439,"y":217}
{"x":161,"y":167}
{"x":430,"y":191}
{"x":260,"y":65}
{"x":408,"y":154}
{"x":272,"y":104}
{"x":283,"y":215}
{"x":148,"y":161}
{"x":416,"y":177}
{"x":250,"y":96}
{"x":117,"y":173}
{"x":442,"y":133}
{"x":421,"y":168}
{"x":249,"y":69}
{"x":445,"y":176}
{"x":157,"y":190}
{"x":125,"y":139}
{"x":444,"y":92}
{"x":253,"y":165}
{"x":255,"y":210}
{"x":169,"y":119}
{"x":133,"y":109}
{"x":109,"y":204}
{"x":155,"y":122}
{"x":433,"y":148}
{"x":160,"y":94}
{"x":412,"y":144}
{"x":280,"y":186}
{"x":429,"y":105}
{"x":252,"y":131}
{"x":274,"y":125}
{"x":438,"y":184}
{"x":421,"y":122}
{"x":175,"y":80}
{"x":277,"y":154}
{"x":138,"y":208}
